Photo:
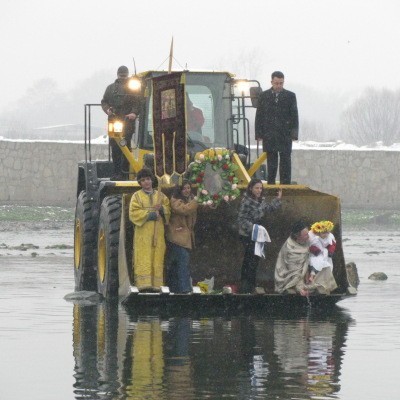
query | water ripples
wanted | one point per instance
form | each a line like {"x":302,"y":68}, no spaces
{"x":103,"y":352}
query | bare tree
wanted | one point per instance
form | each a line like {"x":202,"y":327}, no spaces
{"x":374,"y":117}
{"x":13,"y":128}
{"x":312,"y":130}
{"x":44,"y":105}
{"x":249,"y":63}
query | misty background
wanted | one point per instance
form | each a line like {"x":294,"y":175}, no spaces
{"x":339,"y":57}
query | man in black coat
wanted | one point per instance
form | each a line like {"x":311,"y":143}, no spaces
{"x":119,"y":102}
{"x":277,"y":125}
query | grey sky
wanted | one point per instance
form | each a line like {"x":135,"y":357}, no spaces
{"x":323,"y":44}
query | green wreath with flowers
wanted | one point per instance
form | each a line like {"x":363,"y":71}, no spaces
{"x":220,"y":166}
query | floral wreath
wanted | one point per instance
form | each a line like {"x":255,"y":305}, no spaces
{"x":322,"y":226}
{"x":220,"y":161}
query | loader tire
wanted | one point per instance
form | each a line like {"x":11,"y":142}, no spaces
{"x":84,"y":244}
{"x":107,"y":246}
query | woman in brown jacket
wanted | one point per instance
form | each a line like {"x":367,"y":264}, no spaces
{"x":180,"y":238}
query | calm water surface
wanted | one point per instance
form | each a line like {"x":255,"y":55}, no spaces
{"x":54,"y":349}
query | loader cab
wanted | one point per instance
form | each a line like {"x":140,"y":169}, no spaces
{"x":208,"y":94}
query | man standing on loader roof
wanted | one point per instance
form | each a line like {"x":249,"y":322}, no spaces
{"x":118,"y":102}
{"x":277,"y":124}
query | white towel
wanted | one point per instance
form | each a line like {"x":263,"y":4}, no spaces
{"x":260,"y":236}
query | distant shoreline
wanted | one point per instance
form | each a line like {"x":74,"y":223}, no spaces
{"x":14,"y":218}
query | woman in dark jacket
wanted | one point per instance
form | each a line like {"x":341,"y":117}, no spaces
{"x":252,"y":209}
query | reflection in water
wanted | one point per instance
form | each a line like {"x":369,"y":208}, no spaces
{"x":306,"y":355}
{"x":145,"y":361}
{"x":122,"y":356}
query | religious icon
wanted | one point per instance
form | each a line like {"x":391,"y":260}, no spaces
{"x":168,"y":104}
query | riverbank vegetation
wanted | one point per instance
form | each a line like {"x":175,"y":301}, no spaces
{"x":50,"y":216}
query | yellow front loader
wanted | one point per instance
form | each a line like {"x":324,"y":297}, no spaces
{"x":103,"y":232}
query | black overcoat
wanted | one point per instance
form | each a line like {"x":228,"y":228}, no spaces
{"x":118,"y":97}
{"x":277,"y":122}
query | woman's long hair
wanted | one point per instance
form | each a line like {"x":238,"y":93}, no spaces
{"x":250,"y":186}
{"x":177,"y":193}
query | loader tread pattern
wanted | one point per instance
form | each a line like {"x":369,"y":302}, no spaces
{"x":85,"y":274}
{"x":109,"y":222}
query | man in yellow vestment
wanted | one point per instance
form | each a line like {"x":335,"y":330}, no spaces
{"x":149,"y":211}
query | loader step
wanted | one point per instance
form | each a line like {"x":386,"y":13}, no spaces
{"x":144,"y":302}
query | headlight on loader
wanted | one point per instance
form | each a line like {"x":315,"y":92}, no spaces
{"x":134,"y":84}
{"x":116,"y":127}
{"x":242,"y":86}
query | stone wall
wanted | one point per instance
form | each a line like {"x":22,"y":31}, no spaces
{"x":42,"y":173}
{"x":361,"y":178}
{"x":45,"y":173}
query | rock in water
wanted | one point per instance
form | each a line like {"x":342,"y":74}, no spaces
{"x":83,"y":296}
{"x":352,"y":275}
{"x":378,"y":276}
{"x":351,"y":290}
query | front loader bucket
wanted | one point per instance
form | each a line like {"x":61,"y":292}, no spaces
{"x":219,"y":252}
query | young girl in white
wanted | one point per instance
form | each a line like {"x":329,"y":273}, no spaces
{"x":322,"y":247}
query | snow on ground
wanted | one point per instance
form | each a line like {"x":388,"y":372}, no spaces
{"x":340,"y":145}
